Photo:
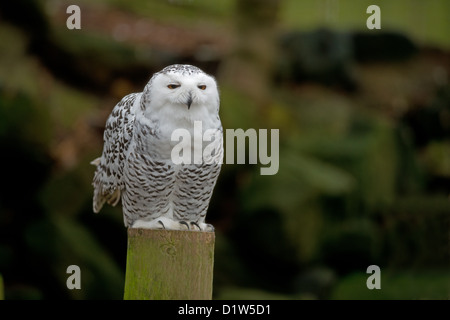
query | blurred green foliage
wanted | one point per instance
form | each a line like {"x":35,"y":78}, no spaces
{"x":431,"y":285}
{"x":2,"y":294}
{"x":364,"y":169}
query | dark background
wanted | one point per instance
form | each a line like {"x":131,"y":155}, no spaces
{"x":364,"y":120}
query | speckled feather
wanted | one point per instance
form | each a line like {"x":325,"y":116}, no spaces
{"x":136,"y":165}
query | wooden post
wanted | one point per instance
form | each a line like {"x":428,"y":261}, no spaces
{"x":169,"y":265}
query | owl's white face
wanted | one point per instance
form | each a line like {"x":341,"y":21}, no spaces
{"x":182,"y":95}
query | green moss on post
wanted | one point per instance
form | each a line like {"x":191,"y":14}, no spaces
{"x":169,"y":265}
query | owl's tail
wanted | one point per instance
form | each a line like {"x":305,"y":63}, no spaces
{"x":100,"y":198}
{"x":98,"y":201}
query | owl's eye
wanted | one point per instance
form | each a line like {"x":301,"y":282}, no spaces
{"x":173,"y":86}
{"x":202,"y":87}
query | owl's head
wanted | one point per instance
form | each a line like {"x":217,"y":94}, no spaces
{"x":181,"y":90}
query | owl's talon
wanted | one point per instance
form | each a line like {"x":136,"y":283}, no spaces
{"x":193,"y":223}
{"x":185,"y":223}
{"x":160,"y":222}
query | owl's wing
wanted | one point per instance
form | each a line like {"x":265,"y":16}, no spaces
{"x":108,"y":178}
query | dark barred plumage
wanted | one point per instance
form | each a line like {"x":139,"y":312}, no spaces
{"x":136,"y":164}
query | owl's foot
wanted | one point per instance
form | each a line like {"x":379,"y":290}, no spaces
{"x":189,"y":225}
{"x":206,"y":227}
{"x":169,"y":224}
{"x":159,"y":223}
{"x":194,"y":226}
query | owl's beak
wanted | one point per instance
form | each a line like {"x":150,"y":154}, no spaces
{"x":189,"y":100}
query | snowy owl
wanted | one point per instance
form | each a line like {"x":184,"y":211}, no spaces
{"x":137,"y":164}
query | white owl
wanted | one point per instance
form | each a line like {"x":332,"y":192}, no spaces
{"x":136,"y":166}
